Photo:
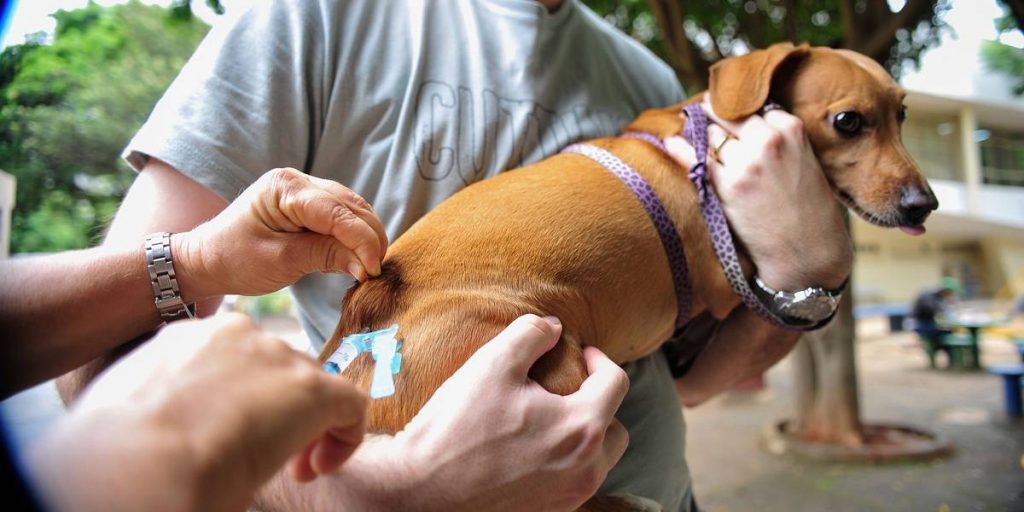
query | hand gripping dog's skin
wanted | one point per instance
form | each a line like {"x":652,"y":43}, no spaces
{"x":564,"y":237}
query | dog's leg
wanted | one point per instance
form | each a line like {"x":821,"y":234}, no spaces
{"x":563,"y":369}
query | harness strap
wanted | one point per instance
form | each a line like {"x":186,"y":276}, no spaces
{"x":670,"y":240}
{"x":696,"y":131}
{"x":648,"y":138}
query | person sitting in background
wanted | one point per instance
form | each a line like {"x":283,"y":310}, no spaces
{"x":928,"y":307}
{"x":932,"y":304}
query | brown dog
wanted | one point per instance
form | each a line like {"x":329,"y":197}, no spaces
{"x":564,"y":237}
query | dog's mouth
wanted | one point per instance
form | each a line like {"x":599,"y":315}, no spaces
{"x":888,"y":220}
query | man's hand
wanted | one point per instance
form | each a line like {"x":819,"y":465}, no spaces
{"x":777,"y":200}
{"x":282,"y":227}
{"x":200,"y":418}
{"x":491,"y":436}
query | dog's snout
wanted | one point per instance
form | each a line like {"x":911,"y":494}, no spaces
{"x":916,"y":204}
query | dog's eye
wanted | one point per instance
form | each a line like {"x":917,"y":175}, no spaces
{"x":902,"y":115}
{"x":848,"y":123}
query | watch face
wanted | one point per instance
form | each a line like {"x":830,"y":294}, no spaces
{"x":814,"y":307}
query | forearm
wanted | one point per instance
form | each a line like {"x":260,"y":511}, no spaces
{"x":61,"y":311}
{"x":101,"y":298}
{"x":744,"y":345}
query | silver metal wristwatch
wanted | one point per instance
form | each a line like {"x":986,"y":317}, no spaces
{"x":805,"y":309}
{"x":166,"y":294}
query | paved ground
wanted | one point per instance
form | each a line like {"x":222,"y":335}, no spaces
{"x":732,"y":473}
{"x":986,"y":473}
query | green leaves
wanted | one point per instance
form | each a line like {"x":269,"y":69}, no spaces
{"x":68,"y":108}
{"x":1007,"y":59}
{"x":692,"y":34}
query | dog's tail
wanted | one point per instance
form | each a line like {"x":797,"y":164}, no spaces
{"x":369,"y":306}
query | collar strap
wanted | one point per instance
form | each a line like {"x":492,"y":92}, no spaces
{"x":670,"y":240}
{"x":696,"y":131}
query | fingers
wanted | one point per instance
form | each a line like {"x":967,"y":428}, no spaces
{"x":327,"y":254}
{"x":721,"y":142}
{"x":681,"y":150}
{"x":321,"y":457}
{"x":516,"y":348}
{"x":767,"y":131}
{"x":329,"y":209}
{"x":616,"y":440}
{"x":606,"y":386}
{"x":339,"y":420}
{"x":334,"y":448}
{"x":358,"y":205}
{"x":602,"y":394}
{"x":325,"y":214}
{"x":345,"y":409}
{"x":729,"y":126}
{"x":299,"y":467}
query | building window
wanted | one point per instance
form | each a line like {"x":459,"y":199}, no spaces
{"x":934,"y":143}
{"x":1002,"y":158}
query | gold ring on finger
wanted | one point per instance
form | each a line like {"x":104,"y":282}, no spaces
{"x":718,"y":148}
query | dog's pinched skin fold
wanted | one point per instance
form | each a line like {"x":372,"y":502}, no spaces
{"x":564,"y":237}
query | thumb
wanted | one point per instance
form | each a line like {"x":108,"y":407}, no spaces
{"x":337,"y":419}
{"x":731,"y":127}
{"x":515,"y":349}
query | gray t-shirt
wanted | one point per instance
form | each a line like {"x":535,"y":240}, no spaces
{"x":406,"y":102}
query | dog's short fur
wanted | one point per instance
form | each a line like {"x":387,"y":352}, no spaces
{"x":564,"y":237}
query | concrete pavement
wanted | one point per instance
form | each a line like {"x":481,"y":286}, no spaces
{"x":986,"y":472}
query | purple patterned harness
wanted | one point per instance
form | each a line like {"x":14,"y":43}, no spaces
{"x":696,"y":131}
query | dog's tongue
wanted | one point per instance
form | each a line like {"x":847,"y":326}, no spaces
{"x":913,"y":230}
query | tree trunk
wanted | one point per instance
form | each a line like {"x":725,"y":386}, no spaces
{"x":827,"y":398}
{"x":690,"y":67}
{"x":827,"y":404}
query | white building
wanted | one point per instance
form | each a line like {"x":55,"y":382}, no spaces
{"x":972,"y":151}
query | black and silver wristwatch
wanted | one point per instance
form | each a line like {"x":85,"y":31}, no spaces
{"x":805,"y":309}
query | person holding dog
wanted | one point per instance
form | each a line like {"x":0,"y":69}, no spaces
{"x":406,"y":104}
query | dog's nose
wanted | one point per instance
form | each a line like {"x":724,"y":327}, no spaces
{"x":916,"y":203}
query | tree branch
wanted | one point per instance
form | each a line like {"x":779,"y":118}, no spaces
{"x":1017,"y":10}
{"x":792,"y":16}
{"x":689,"y":65}
{"x":851,"y":31}
{"x":878,"y":44}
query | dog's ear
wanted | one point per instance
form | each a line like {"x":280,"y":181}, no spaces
{"x":739,"y":86}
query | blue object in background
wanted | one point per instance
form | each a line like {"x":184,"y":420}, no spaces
{"x":1011,"y":374}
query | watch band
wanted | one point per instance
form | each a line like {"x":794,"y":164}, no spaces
{"x":160,"y":264}
{"x":835,"y":293}
{"x":807,"y":309}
